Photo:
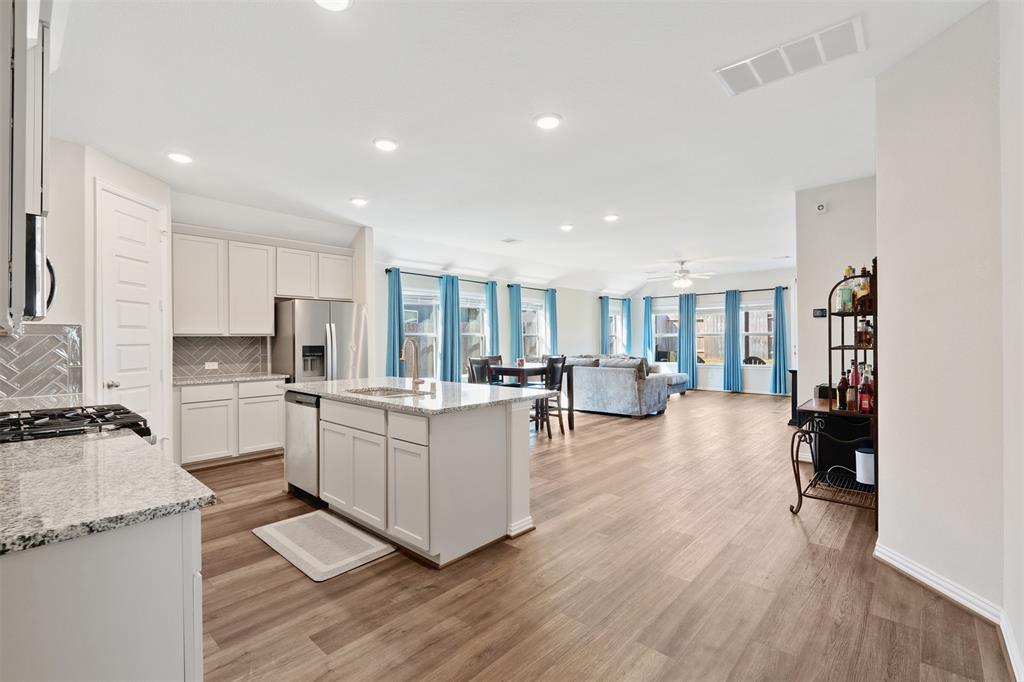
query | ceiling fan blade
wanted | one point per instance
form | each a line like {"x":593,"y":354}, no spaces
{"x":659,"y":278}
{"x":703,"y":275}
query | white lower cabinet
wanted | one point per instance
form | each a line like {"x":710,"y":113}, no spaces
{"x":409,"y":493}
{"x":225,"y":420}
{"x":208,"y":430}
{"x":354,"y":472}
{"x":260,"y":424}
{"x":336,"y":465}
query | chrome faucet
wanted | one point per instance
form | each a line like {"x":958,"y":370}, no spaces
{"x":416,"y":381}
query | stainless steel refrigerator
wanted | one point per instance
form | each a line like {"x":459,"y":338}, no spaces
{"x":320,"y":340}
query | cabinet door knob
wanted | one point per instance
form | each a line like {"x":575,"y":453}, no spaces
{"x":113,"y":384}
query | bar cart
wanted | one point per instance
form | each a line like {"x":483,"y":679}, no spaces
{"x":833,"y":431}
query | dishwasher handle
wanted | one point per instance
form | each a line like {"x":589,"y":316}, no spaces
{"x":302,"y":399}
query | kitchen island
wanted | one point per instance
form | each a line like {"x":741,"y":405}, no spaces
{"x":441,"y":469}
{"x":99,"y":560}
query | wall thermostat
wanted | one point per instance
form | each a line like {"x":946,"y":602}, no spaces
{"x":822,"y":208}
{"x":820,"y":312}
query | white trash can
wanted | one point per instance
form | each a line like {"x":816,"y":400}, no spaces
{"x":865,"y":465}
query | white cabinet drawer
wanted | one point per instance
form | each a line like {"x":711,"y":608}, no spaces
{"x":257,"y":389}
{"x":199,"y":394}
{"x":358,"y":417}
{"x":408,"y":427}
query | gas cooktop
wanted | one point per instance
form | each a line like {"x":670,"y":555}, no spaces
{"x":69,"y":421}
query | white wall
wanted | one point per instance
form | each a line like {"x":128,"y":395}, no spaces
{"x":195,"y":210}
{"x":825,"y":244}
{"x":578,"y":330}
{"x":940,"y":309}
{"x":709,"y":377}
{"x":1012,"y":158}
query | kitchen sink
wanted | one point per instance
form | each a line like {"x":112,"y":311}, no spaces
{"x":387,"y":392}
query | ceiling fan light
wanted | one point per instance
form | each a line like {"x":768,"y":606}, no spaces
{"x":682,"y":282}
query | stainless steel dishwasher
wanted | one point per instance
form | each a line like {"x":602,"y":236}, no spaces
{"x":301,"y":438}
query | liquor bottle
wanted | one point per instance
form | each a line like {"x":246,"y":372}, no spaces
{"x":854,"y":374}
{"x":841,"y":388}
{"x":866,"y":399}
{"x":851,"y":397}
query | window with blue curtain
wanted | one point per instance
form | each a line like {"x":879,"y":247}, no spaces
{"x":451,"y":337}
{"x":515,"y":321}
{"x":491,"y":301}
{"x":552,"y":310}
{"x":732,"y":375}
{"x":780,"y":344}
{"x":687,"y":362}
{"x":649,"y":328}
{"x":605,"y":336}
{"x":396,"y":331}
{"x":627,"y":324}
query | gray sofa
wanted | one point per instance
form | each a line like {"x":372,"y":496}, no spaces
{"x":622,"y":385}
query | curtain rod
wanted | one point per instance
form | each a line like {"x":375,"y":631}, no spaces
{"x":613,"y":298}
{"x":423,"y":274}
{"x":523,"y":287}
{"x":718,"y":293}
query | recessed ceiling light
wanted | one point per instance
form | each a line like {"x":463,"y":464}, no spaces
{"x":565,"y":228}
{"x":548,"y":121}
{"x":359,"y":201}
{"x":334,"y":5}
{"x":611,"y":218}
{"x":178,"y":157}
{"x":385,"y":144}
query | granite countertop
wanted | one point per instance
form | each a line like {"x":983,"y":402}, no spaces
{"x":225,"y":378}
{"x":449,"y":396}
{"x":57,"y":489}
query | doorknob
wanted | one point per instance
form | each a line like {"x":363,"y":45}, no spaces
{"x":113,"y":384}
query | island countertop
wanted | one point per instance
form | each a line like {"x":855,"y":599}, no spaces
{"x":448,"y":396}
{"x":56,"y":489}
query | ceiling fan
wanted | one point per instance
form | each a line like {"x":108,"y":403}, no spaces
{"x":682,"y":278}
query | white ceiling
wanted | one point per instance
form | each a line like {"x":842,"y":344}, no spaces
{"x":279,"y":101}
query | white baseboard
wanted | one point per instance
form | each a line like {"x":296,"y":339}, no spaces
{"x":521,"y":526}
{"x":1012,"y":650}
{"x":959,"y":594}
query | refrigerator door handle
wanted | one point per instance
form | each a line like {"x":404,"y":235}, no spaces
{"x":334,"y":351}
{"x":329,"y":353}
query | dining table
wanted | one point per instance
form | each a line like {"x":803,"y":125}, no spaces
{"x":522,"y":373}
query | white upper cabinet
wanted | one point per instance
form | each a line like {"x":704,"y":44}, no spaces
{"x":251,"y":285}
{"x":334,"y":276}
{"x":296,"y":273}
{"x":200,"y":277}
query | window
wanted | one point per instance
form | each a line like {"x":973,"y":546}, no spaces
{"x":421,"y":311}
{"x":758,"y":322}
{"x":616,"y":327}
{"x":473,"y":328}
{"x":665,"y":324}
{"x":534,"y":329}
{"x":711,"y":329}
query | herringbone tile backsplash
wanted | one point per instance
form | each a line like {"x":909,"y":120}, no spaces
{"x":45,"y":360}
{"x":234,"y":355}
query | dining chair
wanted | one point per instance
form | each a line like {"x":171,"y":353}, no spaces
{"x":479,"y":371}
{"x":555,"y":372}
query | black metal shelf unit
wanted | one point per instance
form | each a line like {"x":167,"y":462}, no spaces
{"x":831,"y":483}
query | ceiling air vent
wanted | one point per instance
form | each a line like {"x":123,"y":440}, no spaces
{"x":827,"y":45}
{"x":510,"y":240}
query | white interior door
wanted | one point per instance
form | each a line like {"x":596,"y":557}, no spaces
{"x":130,"y":257}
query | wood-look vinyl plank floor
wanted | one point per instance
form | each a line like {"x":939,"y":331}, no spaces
{"x":664,"y":550}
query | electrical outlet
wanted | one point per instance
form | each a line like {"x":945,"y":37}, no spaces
{"x":211,"y":365}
